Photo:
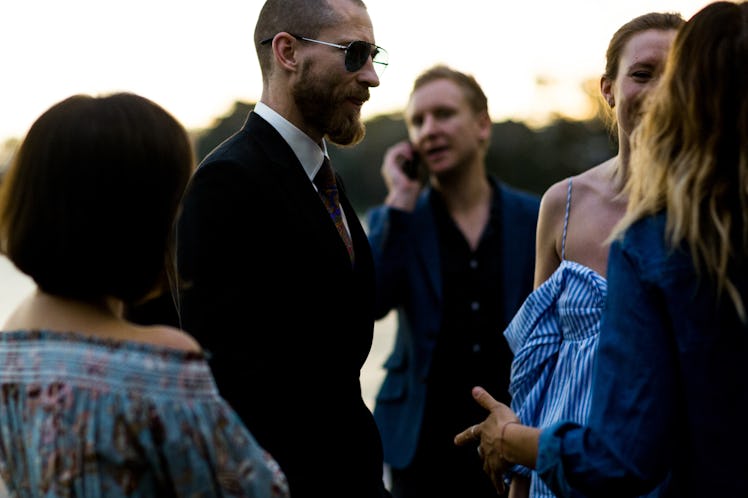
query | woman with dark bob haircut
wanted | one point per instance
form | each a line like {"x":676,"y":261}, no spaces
{"x":90,"y":403}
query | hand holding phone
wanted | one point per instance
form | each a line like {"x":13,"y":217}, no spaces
{"x":404,"y":174}
{"x":412,"y":167}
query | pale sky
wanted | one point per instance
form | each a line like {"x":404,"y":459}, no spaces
{"x":196,"y":57}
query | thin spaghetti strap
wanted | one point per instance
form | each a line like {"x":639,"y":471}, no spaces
{"x":566,"y":222}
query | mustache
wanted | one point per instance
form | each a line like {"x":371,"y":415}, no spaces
{"x":359,"y":96}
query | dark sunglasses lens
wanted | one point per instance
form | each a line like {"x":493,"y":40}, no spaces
{"x":356,"y":55}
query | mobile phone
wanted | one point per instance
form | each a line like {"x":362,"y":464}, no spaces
{"x":413,"y":168}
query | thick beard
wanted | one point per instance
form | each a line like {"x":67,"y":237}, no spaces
{"x":321,"y":106}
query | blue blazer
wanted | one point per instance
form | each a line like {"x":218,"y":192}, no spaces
{"x":408,"y":271}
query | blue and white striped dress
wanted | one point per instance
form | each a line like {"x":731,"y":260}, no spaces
{"x":554,"y":338}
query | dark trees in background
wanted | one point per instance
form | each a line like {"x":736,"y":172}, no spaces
{"x":222,"y":129}
{"x":527,"y":158}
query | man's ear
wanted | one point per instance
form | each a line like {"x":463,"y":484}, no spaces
{"x":285,"y":51}
{"x":485,"y":124}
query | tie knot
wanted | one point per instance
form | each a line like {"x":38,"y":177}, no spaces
{"x":325,"y":177}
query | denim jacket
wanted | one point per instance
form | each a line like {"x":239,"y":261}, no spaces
{"x":670,"y":384}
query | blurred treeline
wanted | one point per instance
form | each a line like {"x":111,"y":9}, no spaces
{"x":528,"y":158}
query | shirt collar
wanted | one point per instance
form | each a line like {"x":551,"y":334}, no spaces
{"x":308,"y":152}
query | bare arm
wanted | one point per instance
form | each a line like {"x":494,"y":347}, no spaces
{"x":520,"y":487}
{"x":550,"y":231}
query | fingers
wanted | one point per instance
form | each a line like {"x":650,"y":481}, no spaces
{"x":402,"y":191}
{"x":484,"y":399}
{"x":394,"y":158}
{"x":498,"y":483}
{"x":496,"y":476}
{"x":470,"y":434}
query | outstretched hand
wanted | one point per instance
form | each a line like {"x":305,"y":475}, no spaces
{"x":488,"y":436}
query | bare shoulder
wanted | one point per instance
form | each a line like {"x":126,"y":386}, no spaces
{"x":163,"y":335}
{"x":41,"y":311}
{"x":553,"y":202}
{"x":549,"y":231}
{"x":596,"y":207}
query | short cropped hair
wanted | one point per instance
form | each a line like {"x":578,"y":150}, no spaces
{"x":88,"y":205}
{"x":302,"y":17}
{"x":472,"y":91}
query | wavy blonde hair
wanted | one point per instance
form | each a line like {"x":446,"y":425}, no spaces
{"x":690,"y":151}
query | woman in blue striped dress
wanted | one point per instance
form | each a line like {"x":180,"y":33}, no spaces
{"x":554,"y":335}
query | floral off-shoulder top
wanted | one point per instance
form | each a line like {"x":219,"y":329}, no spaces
{"x":88,"y":417}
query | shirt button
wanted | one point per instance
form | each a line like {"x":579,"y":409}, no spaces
{"x":475,"y":305}
{"x":476,"y":348}
{"x":473,"y":264}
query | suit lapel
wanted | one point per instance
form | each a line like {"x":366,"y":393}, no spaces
{"x":295,"y":188}
{"x":428,"y":244}
{"x":509,"y":266}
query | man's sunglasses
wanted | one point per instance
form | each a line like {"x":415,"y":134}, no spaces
{"x":356,"y":53}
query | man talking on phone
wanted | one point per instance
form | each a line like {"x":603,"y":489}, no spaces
{"x":454,"y":250}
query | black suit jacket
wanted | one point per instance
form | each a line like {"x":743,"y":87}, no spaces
{"x":269,"y":292}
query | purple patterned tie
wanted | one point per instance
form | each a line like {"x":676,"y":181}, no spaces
{"x":328,"y":191}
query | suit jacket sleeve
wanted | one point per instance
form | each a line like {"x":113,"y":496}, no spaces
{"x":390,"y":236}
